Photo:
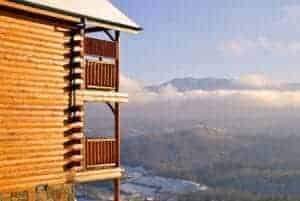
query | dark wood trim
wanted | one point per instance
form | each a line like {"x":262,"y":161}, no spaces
{"x":117,"y":194}
{"x":94,"y":29}
{"x":110,"y":36}
{"x":82,"y":87}
{"x":117,"y":40}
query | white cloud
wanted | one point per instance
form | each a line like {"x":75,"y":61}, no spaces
{"x":263,"y":97}
{"x":240,"y":47}
{"x":287,"y":23}
{"x":255,"y":80}
{"x":130,"y":85}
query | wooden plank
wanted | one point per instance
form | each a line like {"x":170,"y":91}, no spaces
{"x":28,"y":173}
{"x":40,"y":165}
{"x":32,"y":137}
{"x":99,"y":47}
{"x":36,"y":60}
{"x":32,"y":107}
{"x":25,"y":20}
{"x":9,"y":80}
{"x":42,"y":142}
{"x":24,"y":155}
{"x":32,"y":54}
{"x":15,"y":34}
{"x":19,"y":62}
{"x":52,"y":159}
{"x":36,"y":46}
{"x":13,"y":181}
{"x":94,"y":175}
{"x":24,"y":187}
{"x":100,"y":96}
{"x":40,"y":11}
{"x":32,"y":71}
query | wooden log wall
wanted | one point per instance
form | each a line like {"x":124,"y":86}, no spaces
{"x":35,"y":126}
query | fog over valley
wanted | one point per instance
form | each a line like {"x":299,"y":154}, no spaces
{"x":254,"y":106}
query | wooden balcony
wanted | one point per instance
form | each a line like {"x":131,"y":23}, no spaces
{"x":100,"y":152}
{"x":100,"y":161}
{"x":100,"y":48}
{"x":99,"y":75}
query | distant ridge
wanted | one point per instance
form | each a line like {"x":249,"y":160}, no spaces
{"x":212,"y":84}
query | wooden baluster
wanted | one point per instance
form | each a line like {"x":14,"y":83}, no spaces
{"x":94,"y":155}
{"x":100,"y":152}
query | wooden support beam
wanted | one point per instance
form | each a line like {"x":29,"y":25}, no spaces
{"x":117,"y":133}
{"x":111,"y":107}
{"x":82,"y":34}
{"x":117,"y":40}
{"x":109,"y":35}
{"x":94,"y":29}
{"x":117,"y":184}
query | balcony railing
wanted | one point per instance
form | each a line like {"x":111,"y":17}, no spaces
{"x":101,"y":48}
{"x":100,"y":152}
{"x":100,"y":75}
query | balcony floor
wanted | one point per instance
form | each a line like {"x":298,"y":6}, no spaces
{"x":97,"y":175}
{"x":104,"y":96}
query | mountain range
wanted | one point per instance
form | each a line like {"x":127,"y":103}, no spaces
{"x":212,"y":84}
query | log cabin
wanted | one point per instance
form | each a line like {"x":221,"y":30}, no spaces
{"x":49,"y":68}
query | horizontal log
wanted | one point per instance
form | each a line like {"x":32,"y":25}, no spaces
{"x":94,"y":175}
{"x":31,"y":130}
{"x":20,"y":57}
{"x":32,"y":107}
{"x":25,"y":186}
{"x":34,"y":69}
{"x":28,"y":37}
{"x":9,"y":80}
{"x":43,"y":79}
{"x":25,"y":21}
{"x":21,"y":101}
{"x":33,"y":136}
{"x":32,"y":89}
{"x":40,"y":165}
{"x":18,"y":155}
{"x":4,"y":23}
{"x":19,"y":125}
{"x":42,"y":178}
{"x":102,"y":96}
{"x":32,"y":54}
{"x":32,"y":119}
{"x":73,"y":158}
{"x":74,"y":147}
{"x":75,"y":136}
{"x":31,"y":161}
{"x":32,"y":148}
{"x":11,"y":95}
{"x":29,"y":173}
{"x":28,"y":112}
{"x":33,"y":47}
{"x":23,"y":143}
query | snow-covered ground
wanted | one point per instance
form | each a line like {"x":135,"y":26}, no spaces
{"x":139,"y":182}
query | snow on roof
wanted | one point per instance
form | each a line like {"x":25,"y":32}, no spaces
{"x":98,"y":10}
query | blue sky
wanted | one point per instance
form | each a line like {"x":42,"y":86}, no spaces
{"x":212,"y":38}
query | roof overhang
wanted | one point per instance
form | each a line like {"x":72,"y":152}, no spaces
{"x":108,"y":16}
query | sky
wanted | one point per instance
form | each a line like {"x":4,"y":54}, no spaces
{"x":212,"y":38}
